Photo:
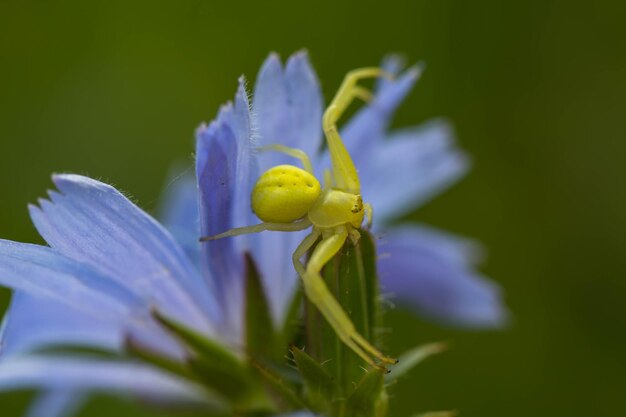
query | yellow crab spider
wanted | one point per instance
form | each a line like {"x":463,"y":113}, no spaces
{"x":287,"y":198}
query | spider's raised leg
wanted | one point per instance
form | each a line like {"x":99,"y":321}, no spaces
{"x":344,"y":171}
{"x":277,"y":227}
{"x":318,"y":293}
{"x":328,"y":179}
{"x":293,"y":152}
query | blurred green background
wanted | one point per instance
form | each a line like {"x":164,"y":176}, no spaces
{"x":536,"y":90}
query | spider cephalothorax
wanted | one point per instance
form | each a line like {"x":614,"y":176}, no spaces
{"x":287,"y":198}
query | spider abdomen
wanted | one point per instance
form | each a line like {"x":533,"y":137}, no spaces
{"x":284,"y":193}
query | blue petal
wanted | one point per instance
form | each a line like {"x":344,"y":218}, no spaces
{"x":60,"y":302}
{"x":86,"y":374}
{"x":93,"y":223}
{"x":410,"y":167}
{"x":270,"y":108}
{"x":288,"y":105}
{"x":59,"y":402}
{"x":179,"y":213}
{"x":305,"y":104}
{"x":247,"y":165}
{"x":40,"y":271}
{"x":225,"y":169}
{"x":432,"y":273}
{"x":34,"y":322}
{"x":289,"y":108}
{"x":272,"y":254}
{"x":392,"y":64}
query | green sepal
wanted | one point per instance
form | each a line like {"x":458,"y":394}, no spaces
{"x":366,"y":262}
{"x":291,"y":328}
{"x":320,"y":386}
{"x":280,"y":384}
{"x":381,"y":406}
{"x":70,"y":349}
{"x":213,"y":365}
{"x":412,"y":358}
{"x":366,"y":399}
{"x":135,"y":350}
{"x":198,"y":343}
{"x":238,"y":385}
{"x":215,"y":401}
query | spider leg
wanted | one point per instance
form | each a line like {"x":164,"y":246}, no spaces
{"x":346,"y":176}
{"x":293,"y":152}
{"x":349,"y":89}
{"x":302,"y":249}
{"x":318,"y":293}
{"x":277,"y":227}
{"x":363,"y":94}
{"x":369,"y":214}
{"x":354,"y":235}
{"x":328,"y":179}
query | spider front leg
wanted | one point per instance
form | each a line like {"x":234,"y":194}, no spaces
{"x":317,"y":292}
{"x":262,"y":227}
{"x":345,"y":173}
{"x":293,"y":152}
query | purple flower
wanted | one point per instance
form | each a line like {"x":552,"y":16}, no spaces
{"x":109,"y":264}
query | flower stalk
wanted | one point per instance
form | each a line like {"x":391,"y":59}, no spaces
{"x":351,"y":277}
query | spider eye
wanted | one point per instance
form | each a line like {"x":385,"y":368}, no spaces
{"x":284,"y":193}
{"x":358,"y":205}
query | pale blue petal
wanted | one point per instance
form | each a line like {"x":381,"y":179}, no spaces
{"x":34,"y":322}
{"x":56,"y":316}
{"x":247,"y":165}
{"x":59,"y":402}
{"x":432,"y":273}
{"x":40,"y":271}
{"x":179,"y":213}
{"x":305,"y":104}
{"x":392,"y":64}
{"x":288,"y":104}
{"x":91,"y":374}
{"x":270,"y":110}
{"x":221,"y":260}
{"x":409,"y":168}
{"x":93,"y":223}
{"x":272,"y":254}
{"x":225,"y":170}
